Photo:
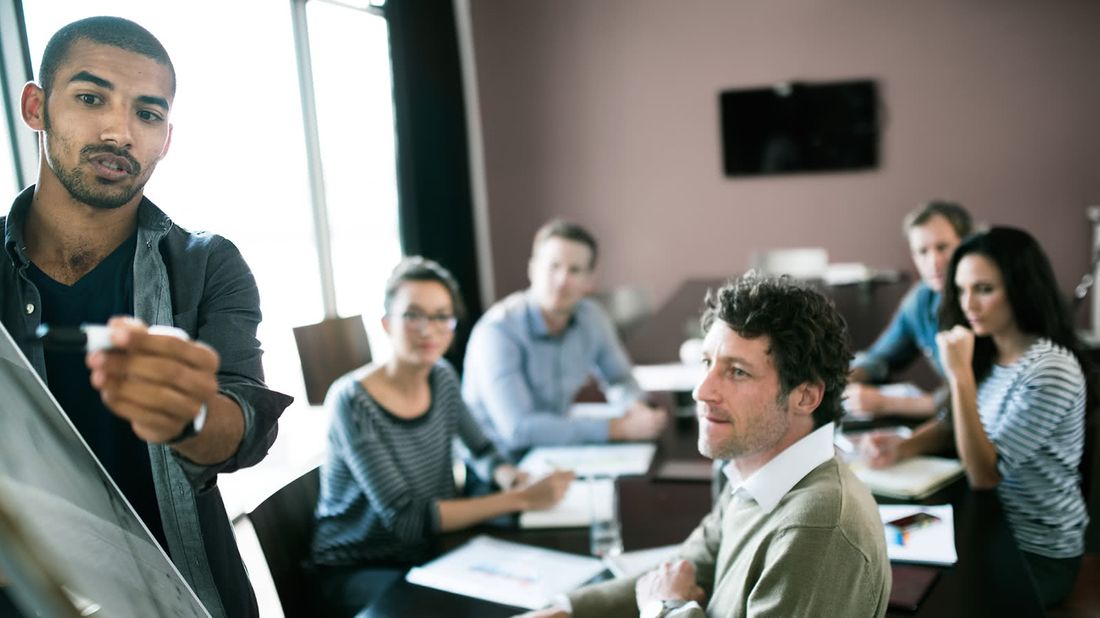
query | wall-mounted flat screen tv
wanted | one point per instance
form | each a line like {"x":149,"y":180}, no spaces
{"x":800,"y":127}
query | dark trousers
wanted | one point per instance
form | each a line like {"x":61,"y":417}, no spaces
{"x":1053,"y":577}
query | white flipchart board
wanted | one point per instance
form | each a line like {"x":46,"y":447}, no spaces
{"x":70,"y":514}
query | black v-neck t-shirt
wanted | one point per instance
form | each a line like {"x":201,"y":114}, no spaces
{"x":106,"y":291}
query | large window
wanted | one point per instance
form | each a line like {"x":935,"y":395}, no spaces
{"x":238,"y":167}
{"x":7,"y":165}
{"x":355,"y":121}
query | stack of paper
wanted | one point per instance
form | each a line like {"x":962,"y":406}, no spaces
{"x":582,"y":500}
{"x":910,"y":479}
{"x":593,"y":460}
{"x":932,"y":544}
{"x":507,"y":573}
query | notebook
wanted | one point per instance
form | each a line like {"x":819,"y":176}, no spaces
{"x":911,"y":479}
{"x":583,"y":499}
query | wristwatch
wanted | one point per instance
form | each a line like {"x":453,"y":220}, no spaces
{"x":191,"y":429}
{"x":657,"y":609}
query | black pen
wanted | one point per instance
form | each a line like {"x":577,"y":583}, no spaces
{"x":86,"y":337}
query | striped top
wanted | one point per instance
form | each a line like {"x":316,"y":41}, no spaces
{"x":385,"y":475}
{"x":1034,"y":413}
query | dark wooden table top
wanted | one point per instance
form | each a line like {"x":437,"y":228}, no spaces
{"x":990,"y":578}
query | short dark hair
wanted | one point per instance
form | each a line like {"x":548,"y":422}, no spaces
{"x":416,"y":268}
{"x":557,"y":228}
{"x":113,"y":31}
{"x":1029,"y":283}
{"x":955,"y":214}
{"x":808,"y":337}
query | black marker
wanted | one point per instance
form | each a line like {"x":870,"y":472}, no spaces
{"x":94,"y":337}
{"x":86,"y":337}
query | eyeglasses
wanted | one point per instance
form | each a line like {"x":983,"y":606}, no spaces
{"x":439,"y":321}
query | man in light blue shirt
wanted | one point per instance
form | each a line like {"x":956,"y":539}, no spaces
{"x":933,"y":232}
{"x":534,"y":350}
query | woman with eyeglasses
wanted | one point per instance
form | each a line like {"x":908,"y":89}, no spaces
{"x":1018,"y":399}
{"x":387,"y":487}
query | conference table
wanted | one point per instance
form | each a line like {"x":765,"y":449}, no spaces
{"x":989,"y":579}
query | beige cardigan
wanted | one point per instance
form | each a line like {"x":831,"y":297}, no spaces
{"x":820,"y":552}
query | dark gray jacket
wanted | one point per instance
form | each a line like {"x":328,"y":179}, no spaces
{"x":200,"y":283}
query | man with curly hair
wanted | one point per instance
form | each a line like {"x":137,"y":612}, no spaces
{"x":795,"y":534}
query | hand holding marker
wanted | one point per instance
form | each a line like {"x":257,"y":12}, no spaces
{"x":91,"y":338}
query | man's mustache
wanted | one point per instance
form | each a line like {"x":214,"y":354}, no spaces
{"x":87,"y":152}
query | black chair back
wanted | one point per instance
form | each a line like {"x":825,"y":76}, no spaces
{"x":284,"y":526}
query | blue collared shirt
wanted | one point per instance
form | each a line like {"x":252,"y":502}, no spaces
{"x":520,"y":380}
{"x":911,"y":333}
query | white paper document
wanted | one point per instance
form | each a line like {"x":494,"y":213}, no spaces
{"x":669,"y":377}
{"x":592,"y":460}
{"x":910,"y":479}
{"x":582,"y":500}
{"x":932,"y":544}
{"x":600,"y":410}
{"x":634,"y":563}
{"x":848,"y":443}
{"x":507,"y":573}
{"x":901,"y":389}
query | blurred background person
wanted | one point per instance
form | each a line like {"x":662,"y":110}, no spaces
{"x":387,"y":487}
{"x":1017,"y":385}
{"x":933,"y":231}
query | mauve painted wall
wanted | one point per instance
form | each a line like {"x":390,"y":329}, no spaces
{"x":606,"y":112}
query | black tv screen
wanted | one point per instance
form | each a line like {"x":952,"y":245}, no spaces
{"x":800,"y":127}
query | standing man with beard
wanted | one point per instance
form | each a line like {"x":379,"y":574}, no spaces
{"x":795,"y":533}
{"x":164,"y":414}
{"x":531,"y":353}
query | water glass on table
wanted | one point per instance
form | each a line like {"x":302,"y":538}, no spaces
{"x":605,"y":529}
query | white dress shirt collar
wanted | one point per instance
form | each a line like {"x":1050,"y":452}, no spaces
{"x":773,"y":480}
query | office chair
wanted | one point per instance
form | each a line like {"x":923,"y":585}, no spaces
{"x":328,"y":350}
{"x":284,"y":527}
